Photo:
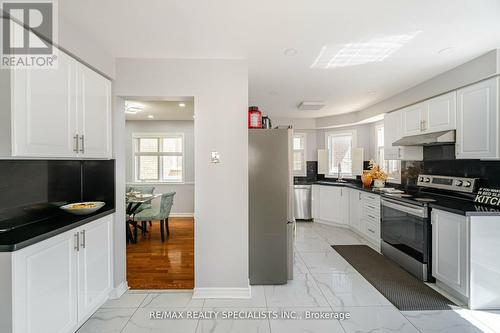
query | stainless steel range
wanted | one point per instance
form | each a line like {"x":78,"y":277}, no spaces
{"x":406,"y":226}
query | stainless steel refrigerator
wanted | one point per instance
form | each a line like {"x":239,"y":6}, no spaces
{"x":271,"y":222}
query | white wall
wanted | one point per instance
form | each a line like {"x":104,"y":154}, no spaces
{"x":220,"y":90}
{"x":184,"y":197}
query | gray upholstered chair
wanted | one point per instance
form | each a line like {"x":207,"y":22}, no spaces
{"x":145,"y":189}
{"x":160,"y":213}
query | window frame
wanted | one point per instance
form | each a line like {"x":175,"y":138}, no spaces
{"x":353,"y":134}
{"x":159,"y":154}
{"x":303,"y":171}
{"x":382,"y":161}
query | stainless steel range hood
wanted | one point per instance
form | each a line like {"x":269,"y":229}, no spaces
{"x":429,"y":139}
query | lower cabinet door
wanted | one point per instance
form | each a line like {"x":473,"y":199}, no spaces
{"x":45,"y":286}
{"x":94,"y":261}
{"x":449,"y":250}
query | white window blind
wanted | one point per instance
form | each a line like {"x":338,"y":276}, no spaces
{"x":159,"y":158}
{"x":299,"y":154}
{"x":391,"y":167}
{"x":340,"y":153}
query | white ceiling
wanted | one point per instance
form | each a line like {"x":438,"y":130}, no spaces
{"x":161,"y":110}
{"x":261,"y":30}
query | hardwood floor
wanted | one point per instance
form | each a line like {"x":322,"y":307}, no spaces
{"x":152,"y":264}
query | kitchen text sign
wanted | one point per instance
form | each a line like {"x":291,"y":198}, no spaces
{"x":488,"y":196}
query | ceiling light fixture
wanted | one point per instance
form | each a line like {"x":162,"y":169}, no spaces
{"x":182,"y":105}
{"x":352,"y":54}
{"x":372,"y":92}
{"x":290,"y":52}
{"x":150,"y":116}
{"x":133,"y":107}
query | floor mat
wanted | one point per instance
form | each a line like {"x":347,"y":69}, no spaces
{"x":403,"y":290}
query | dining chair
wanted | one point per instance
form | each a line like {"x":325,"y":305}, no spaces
{"x":159,"y":213}
{"x":144,"y":189}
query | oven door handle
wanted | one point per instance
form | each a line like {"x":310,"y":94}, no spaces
{"x":420,"y":212}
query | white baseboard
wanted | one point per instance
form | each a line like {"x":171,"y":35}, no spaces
{"x":243,"y":293}
{"x":119,"y":291}
{"x":181,"y":215}
{"x":333,"y":224}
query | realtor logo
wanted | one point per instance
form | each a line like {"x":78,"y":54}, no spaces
{"x":28,"y":33}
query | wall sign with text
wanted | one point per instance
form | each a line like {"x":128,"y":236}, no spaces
{"x":488,"y":196}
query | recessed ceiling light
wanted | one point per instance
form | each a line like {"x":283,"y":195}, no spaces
{"x":358,"y":53}
{"x":445,"y":50}
{"x":273,"y":93}
{"x":372,"y":92}
{"x":150,"y":116}
{"x":290,"y":52}
{"x":182,"y":105}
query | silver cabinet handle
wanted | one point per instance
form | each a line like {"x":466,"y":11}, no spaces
{"x":359,"y":195}
{"x":76,"y":143}
{"x":82,"y":138}
{"x":373,"y":217}
{"x":370,"y":230}
{"x":84,"y":239}
{"x":77,"y":241}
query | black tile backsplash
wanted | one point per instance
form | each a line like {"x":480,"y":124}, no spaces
{"x":34,"y":189}
{"x":312,"y":173}
{"x":440,"y":160}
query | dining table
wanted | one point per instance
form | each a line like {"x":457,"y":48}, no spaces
{"x":134,"y":201}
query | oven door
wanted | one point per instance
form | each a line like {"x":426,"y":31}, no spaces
{"x":406,"y":227}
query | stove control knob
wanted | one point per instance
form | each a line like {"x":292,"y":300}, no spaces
{"x":467,"y":184}
{"x":427,"y":179}
{"x":421,"y":179}
{"x":458,"y":183}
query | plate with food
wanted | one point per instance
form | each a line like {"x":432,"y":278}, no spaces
{"x":83,"y":208}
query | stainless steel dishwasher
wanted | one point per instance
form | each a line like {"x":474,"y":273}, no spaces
{"x":303,"y":201}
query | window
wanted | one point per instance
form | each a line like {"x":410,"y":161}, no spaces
{"x":340,"y":147}
{"x":158,"y":158}
{"x":391,"y":167}
{"x":299,"y":154}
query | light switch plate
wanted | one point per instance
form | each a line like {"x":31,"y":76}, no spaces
{"x":215,"y":157}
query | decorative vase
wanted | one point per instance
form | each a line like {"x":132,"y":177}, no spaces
{"x":379,"y":183}
{"x":367,"y":179}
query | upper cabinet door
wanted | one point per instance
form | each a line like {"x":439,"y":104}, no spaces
{"x":477,"y":121}
{"x":440,"y":113}
{"x":94,"y":114}
{"x":412,"y":119}
{"x":43,"y":110}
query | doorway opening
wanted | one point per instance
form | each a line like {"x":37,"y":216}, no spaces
{"x":160,"y":192}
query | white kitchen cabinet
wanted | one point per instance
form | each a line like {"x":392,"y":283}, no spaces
{"x":315,"y":201}
{"x":43,"y":110}
{"x":94,"y":266}
{"x":355,"y":209}
{"x":59,"y":282}
{"x":412,"y":117}
{"x":449,"y":250}
{"x":392,"y":133}
{"x":440,"y":113}
{"x":370,"y":219}
{"x":329,"y":204}
{"x":333,"y":205}
{"x":94,"y":116}
{"x":64,"y":112}
{"x":478,"y":121}
{"x":433,"y":115}
{"x":45,"y":286}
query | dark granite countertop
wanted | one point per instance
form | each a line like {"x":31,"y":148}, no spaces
{"x":456,"y":206}
{"x":462,"y":207}
{"x":58,"y":223}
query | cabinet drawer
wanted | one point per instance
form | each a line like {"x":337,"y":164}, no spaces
{"x":372,"y":229}
{"x":371,"y":216}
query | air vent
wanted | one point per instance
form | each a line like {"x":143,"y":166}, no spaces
{"x":309,"y":106}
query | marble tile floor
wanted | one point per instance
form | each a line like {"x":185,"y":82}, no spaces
{"x":323,"y":283}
